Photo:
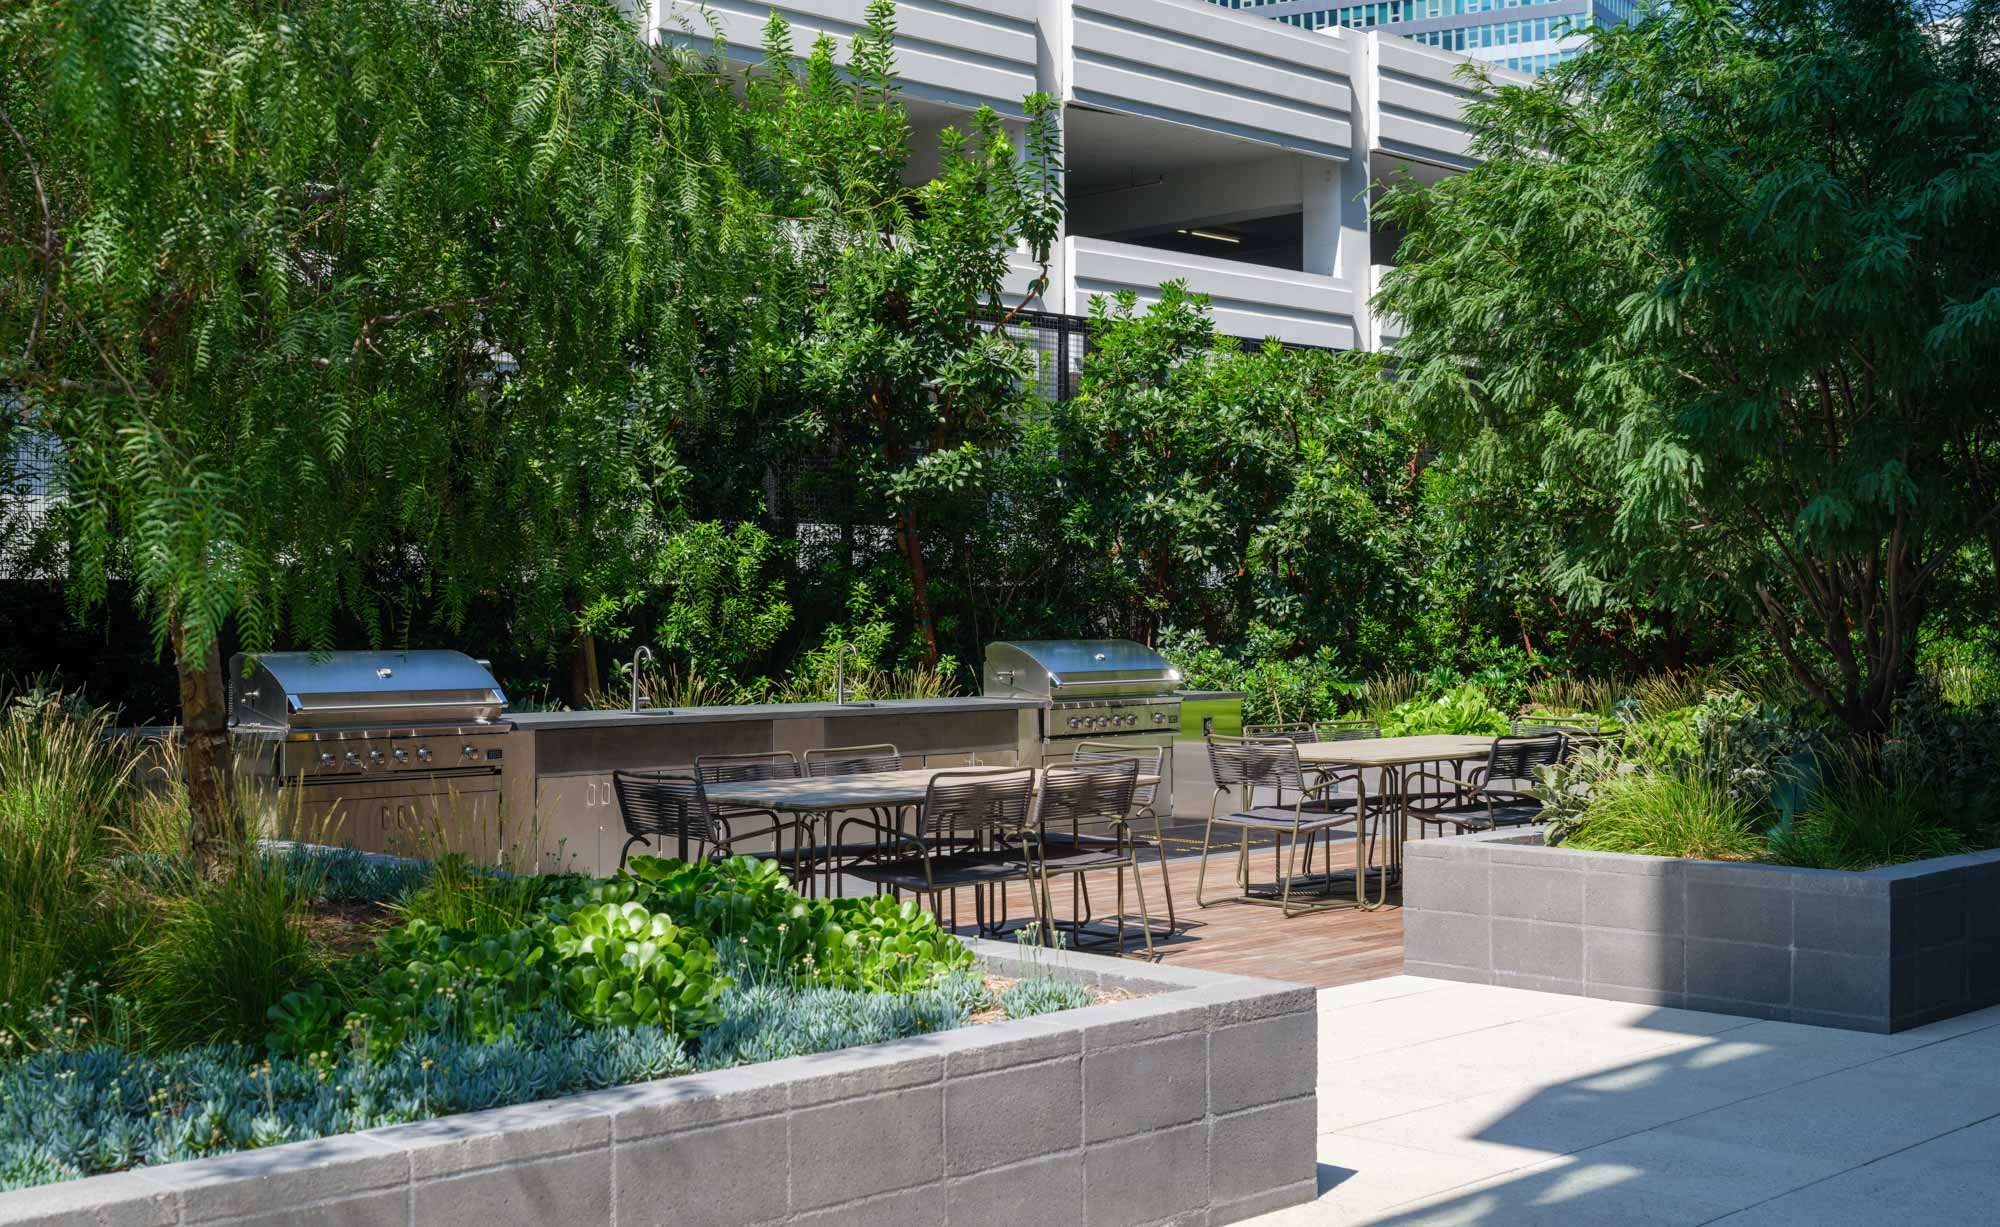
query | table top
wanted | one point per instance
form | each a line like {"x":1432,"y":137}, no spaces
{"x":1395,"y":751}
{"x":836,"y":792}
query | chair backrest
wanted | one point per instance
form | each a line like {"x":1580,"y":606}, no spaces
{"x":1149,"y":759}
{"x":737,"y":768}
{"x":661,"y":803}
{"x":1349,"y":730}
{"x":853,"y":760}
{"x":1255,"y":762}
{"x":1077,"y":794}
{"x":973,"y":802}
{"x":1303,"y":731}
{"x":1515,"y":758}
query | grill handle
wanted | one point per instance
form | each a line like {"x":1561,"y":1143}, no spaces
{"x":1127,"y":682}
{"x":353,"y":707}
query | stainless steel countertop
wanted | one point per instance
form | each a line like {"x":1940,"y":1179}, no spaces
{"x":555,"y":720}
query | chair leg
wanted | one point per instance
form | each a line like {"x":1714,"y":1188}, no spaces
{"x":1201,"y":875}
{"x":1121,"y":909}
{"x":1145,"y":917}
{"x":1166,"y":882}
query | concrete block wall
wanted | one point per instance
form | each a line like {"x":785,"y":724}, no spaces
{"x":1192,"y":1105}
{"x":1877,"y":951}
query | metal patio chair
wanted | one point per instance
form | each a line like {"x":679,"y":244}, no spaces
{"x":1150,"y":759}
{"x":763,"y":765}
{"x":1247,"y":763}
{"x":831,"y":761}
{"x":975,"y":830}
{"x":1089,"y":795}
{"x":1478,"y":801}
{"x":673,"y":806}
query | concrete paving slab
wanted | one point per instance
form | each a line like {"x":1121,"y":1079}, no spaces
{"x":1476,"y":1104}
{"x":1949,"y":1180}
{"x":1853,"y":1116}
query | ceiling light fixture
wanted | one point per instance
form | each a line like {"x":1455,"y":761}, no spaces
{"x":1213,"y":235}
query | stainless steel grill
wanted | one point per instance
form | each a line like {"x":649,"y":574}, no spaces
{"x":1093,"y":687}
{"x":373,"y":748}
{"x":1091,"y":690}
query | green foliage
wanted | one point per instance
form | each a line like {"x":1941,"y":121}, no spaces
{"x":86,"y":1108}
{"x":624,"y":965}
{"x":770,"y":1023}
{"x":63,"y":785}
{"x":1716,"y":282}
{"x":1220,"y":486}
{"x":220,"y":952}
{"x":1044,"y":995}
{"x":1667,"y":815}
{"x":457,"y":894}
{"x":1464,"y":711}
{"x":1859,"y":819}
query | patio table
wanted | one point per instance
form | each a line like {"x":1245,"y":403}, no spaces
{"x":1392,"y":757}
{"x":824,"y":796}
{"x":832,"y":793}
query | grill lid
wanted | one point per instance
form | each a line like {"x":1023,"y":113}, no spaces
{"x":1076,"y":669}
{"x":300,"y":690}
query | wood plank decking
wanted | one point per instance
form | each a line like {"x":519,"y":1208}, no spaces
{"x":1322,"y":949}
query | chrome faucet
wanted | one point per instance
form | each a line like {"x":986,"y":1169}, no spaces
{"x":840,"y":671}
{"x":646,"y":652}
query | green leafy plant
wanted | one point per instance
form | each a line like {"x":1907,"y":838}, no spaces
{"x":1464,"y":710}
{"x":623,"y":965}
{"x":1044,"y":995}
{"x":1667,"y":815}
{"x":1860,"y":818}
{"x":220,"y":951}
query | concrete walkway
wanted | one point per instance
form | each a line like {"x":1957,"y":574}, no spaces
{"x":1445,"y":1103}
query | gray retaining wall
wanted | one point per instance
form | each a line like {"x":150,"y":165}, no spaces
{"x":1193,"y":1105}
{"x":1881,"y":950}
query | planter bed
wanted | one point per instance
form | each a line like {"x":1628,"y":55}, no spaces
{"x":1193,"y":1102}
{"x":1880,"y":950}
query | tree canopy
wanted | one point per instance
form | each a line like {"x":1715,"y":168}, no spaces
{"x":1733,"y":275}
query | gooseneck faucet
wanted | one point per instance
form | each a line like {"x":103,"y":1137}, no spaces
{"x":840,"y":671}
{"x":647,"y":653}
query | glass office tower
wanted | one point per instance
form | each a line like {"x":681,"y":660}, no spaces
{"x":1520,"y":34}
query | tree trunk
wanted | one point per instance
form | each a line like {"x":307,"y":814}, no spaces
{"x":909,"y":537}
{"x":217,"y":827}
{"x":584,"y":679}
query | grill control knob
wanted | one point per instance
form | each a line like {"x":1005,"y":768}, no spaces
{"x":326,"y":758}
{"x":401,"y":756}
{"x":1072,"y":721}
{"x":423,"y":754}
{"x":1159,"y":717}
{"x":374,"y":756}
{"x":470,"y":752}
{"x":353,"y":757}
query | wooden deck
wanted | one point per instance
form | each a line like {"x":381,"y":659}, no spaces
{"x":1322,"y":949}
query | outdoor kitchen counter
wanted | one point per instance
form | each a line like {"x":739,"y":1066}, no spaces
{"x":559,"y":764}
{"x":763,"y":711}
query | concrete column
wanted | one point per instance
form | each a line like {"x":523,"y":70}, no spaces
{"x":1320,"y":204}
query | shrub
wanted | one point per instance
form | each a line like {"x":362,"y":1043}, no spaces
{"x":457,"y":894}
{"x":221,"y":951}
{"x":1667,"y":815}
{"x":1044,"y":995}
{"x":1464,"y":711}
{"x":63,"y":784}
{"x":1862,"y":818}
